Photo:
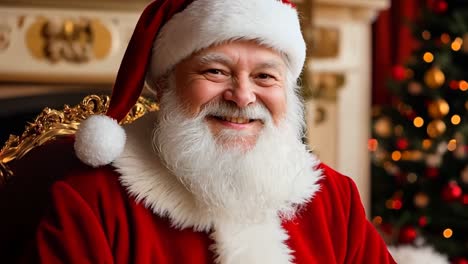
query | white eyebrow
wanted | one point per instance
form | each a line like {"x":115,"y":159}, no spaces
{"x":214,"y":57}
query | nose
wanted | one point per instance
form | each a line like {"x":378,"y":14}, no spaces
{"x":241,"y":93}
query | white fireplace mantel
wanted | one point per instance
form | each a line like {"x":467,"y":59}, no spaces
{"x":341,"y":138}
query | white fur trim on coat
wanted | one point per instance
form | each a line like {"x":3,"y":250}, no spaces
{"x":262,"y":242}
{"x":147,"y":179}
{"x":408,"y":254}
{"x":207,"y":22}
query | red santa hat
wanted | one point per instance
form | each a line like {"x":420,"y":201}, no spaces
{"x":169,"y":31}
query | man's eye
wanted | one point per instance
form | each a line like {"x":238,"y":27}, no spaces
{"x":265,"y":76}
{"x":214,"y":71}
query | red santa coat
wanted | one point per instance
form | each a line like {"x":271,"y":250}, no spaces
{"x":100,"y":216}
{"x":94,"y":220}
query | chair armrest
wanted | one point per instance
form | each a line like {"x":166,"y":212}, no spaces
{"x":51,"y":124}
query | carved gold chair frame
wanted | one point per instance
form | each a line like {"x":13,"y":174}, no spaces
{"x":51,"y":124}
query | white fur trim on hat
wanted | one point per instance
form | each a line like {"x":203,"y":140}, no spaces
{"x":207,"y":22}
{"x":99,"y":140}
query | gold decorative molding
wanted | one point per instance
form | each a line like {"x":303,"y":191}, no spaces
{"x":324,"y":90}
{"x":51,"y":124}
{"x":63,"y":45}
{"x":325,"y":42}
{"x":325,"y":85}
{"x":74,"y":40}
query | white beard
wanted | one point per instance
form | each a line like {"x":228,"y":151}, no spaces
{"x":230,"y":182}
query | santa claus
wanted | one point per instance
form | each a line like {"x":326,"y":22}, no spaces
{"x":219,"y":174}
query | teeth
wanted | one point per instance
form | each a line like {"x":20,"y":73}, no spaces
{"x":237,"y":120}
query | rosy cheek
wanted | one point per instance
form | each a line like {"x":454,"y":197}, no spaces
{"x":275,"y":102}
{"x":198,"y":94}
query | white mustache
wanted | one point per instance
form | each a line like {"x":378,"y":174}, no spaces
{"x":223,"y":108}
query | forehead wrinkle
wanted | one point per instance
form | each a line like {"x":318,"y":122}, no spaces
{"x":272,"y":64}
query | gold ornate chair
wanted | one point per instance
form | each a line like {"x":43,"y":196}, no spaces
{"x":30,"y":163}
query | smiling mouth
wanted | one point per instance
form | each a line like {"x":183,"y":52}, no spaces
{"x":235,"y":120}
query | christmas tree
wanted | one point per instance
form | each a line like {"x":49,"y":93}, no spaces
{"x":419,"y":145}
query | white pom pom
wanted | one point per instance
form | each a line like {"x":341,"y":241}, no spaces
{"x":411,"y":254}
{"x":99,"y":140}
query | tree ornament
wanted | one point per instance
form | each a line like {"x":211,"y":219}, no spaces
{"x":451,"y":192}
{"x":454,"y":85}
{"x":414,"y":88}
{"x":432,"y":172}
{"x":421,"y":200}
{"x":434,"y":77}
{"x":436,"y":128}
{"x":437,"y":6}
{"x":438,"y":108}
{"x":445,"y":38}
{"x":460,"y":261}
{"x":464,"y":199}
{"x":402,"y":143}
{"x":383,"y":127}
{"x":407,"y":235}
{"x":396,"y":201}
{"x":422,"y":221}
{"x":399,"y":73}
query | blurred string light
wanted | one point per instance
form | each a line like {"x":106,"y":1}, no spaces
{"x":452,"y":145}
{"x":457,"y":44}
{"x":436,"y":128}
{"x":448,"y":233}
{"x":428,"y":57}
{"x":456,"y":119}
{"x":434,"y":77}
{"x":426,"y":144}
{"x":463,"y":85}
{"x":396,"y":155}
{"x":418,"y":121}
